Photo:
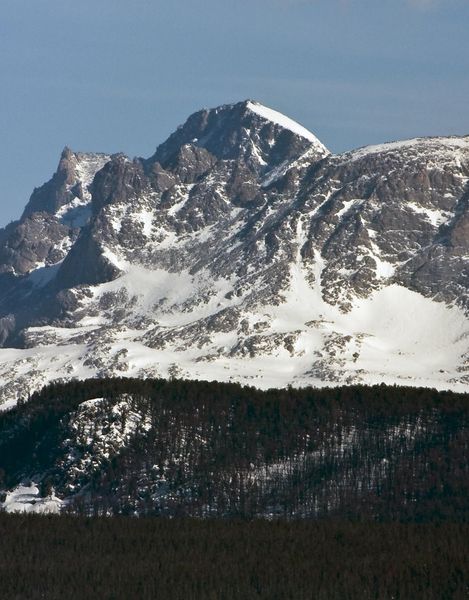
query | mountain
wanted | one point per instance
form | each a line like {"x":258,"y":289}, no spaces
{"x":242,"y":250}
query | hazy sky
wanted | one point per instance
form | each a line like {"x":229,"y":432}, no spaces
{"x":120,"y":75}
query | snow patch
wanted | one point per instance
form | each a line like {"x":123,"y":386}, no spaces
{"x":285,"y":122}
{"x":445,"y":144}
{"x":76,"y":213}
{"x":435,"y":216}
{"x":26,"y":498}
{"x":347,"y":205}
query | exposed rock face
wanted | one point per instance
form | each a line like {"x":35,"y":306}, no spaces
{"x":53,"y":216}
{"x":243,"y":249}
{"x":68,"y":185}
{"x":246,"y":132}
{"x":37,"y":238}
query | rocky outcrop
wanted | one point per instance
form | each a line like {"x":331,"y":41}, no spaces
{"x":71,"y":180}
{"x":37,"y":240}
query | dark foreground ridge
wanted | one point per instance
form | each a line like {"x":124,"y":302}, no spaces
{"x":181,"y":559}
{"x":207,"y":449}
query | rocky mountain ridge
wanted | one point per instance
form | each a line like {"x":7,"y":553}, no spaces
{"x":243,"y":250}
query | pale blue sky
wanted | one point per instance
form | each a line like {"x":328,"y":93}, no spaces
{"x":120,"y":75}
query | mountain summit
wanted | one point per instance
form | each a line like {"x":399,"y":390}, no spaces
{"x":247,"y":131}
{"x":243,"y":250}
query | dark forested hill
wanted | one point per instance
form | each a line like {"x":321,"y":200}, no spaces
{"x":157,"y":447}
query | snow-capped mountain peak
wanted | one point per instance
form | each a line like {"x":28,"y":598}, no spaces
{"x":246,"y":131}
{"x":243,"y":250}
